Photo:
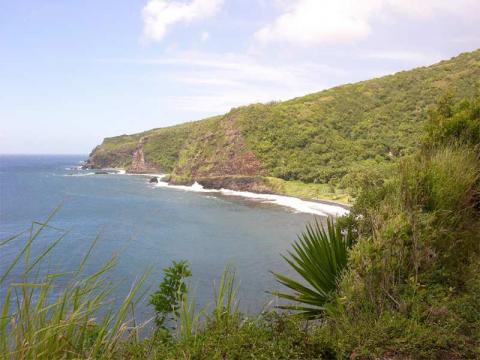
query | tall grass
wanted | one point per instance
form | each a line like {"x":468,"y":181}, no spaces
{"x":53,"y":315}
{"x":188,"y":322}
{"x":225,"y":295}
{"x":225,"y":312}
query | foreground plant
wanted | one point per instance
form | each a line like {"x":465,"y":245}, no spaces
{"x":226,"y":303}
{"x":171,"y":291}
{"x":53,"y":316}
{"x":225,"y":313}
{"x":319,"y":256}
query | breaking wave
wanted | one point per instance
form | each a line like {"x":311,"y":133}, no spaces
{"x":296,"y":204}
{"x":299,"y":205}
{"x":81,"y":174}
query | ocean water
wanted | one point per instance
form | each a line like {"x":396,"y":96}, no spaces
{"x":145,"y":226}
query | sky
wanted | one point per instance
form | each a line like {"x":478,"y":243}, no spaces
{"x":75,"y":72}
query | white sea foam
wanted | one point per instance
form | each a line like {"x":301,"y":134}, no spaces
{"x":80,"y":174}
{"x":159,"y":176}
{"x":299,"y":205}
{"x":124,"y":172}
{"x":196,"y":187}
{"x":296,"y":204}
{"x":113,"y":171}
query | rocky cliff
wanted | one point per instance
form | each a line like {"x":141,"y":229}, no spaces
{"x":139,"y":165}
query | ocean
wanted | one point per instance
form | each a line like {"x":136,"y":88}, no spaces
{"x":147,"y":226}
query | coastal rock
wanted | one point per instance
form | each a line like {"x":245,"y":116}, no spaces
{"x":101,"y":172}
{"x":154,"y":180}
{"x":101,"y":158}
{"x":139,"y":165}
{"x":237,"y":183}
{"x":223,"y":153}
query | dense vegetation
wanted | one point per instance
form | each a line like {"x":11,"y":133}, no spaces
{"x":410,"y":288}
{"x":319,"y":137}
{"x":413,"y":286}
{"x":328,"y":137}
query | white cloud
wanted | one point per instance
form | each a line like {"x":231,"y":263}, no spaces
{"x":214,"y":103}
{"x":427,"y":9}
{"x":215,"y":83}
{"x":158,"y":15}
{"x":232,"y":80}
{"x":405,"y":56}
{"x":311,"y":22}
{"x":204,"y":36}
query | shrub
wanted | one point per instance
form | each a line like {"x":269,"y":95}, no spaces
{"x":171,"y":292}
{"x":454,"y":122}
{"x":452,"y":178}
{"x":410,"y":287}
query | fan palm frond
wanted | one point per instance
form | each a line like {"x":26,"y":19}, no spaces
{"x":319,"y":256}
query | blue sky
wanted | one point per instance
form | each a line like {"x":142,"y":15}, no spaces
{"x":74,"y":72}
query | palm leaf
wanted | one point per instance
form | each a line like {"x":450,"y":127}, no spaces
{"x":319,"y":256}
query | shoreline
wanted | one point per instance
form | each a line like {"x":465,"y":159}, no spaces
{"x":301,"y":205}
{"x":318,"y":207}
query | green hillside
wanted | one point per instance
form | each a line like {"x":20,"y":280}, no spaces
{"x":317,"y":139}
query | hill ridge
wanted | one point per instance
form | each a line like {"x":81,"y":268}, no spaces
{"x":322,"y":137}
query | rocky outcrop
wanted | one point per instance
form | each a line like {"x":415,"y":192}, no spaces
{"x":238,"y":160}
{"x":139,"y":165}
{"x":220,"y":152}
{"x":102,"y":157}
{"x":237,"y":183}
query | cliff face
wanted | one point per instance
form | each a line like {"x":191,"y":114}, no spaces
{"x":113,"y":152}
{"x":139,"y":165}
{"x":318,"y":138}
{"x":219,"y":151}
